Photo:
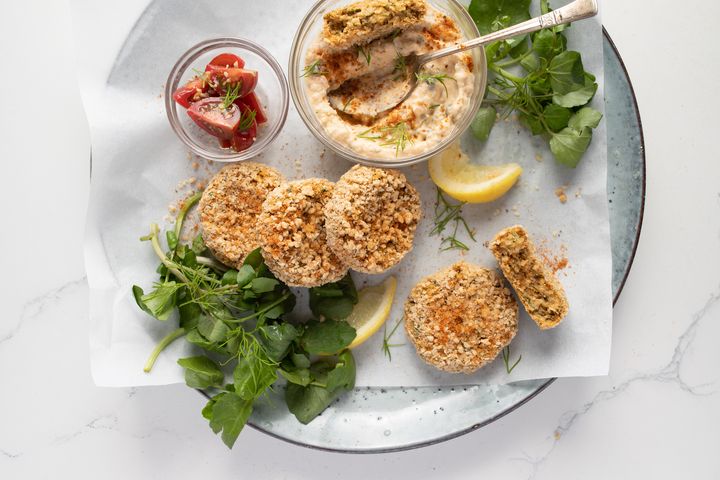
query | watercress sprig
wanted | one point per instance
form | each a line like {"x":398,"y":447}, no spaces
{"x":537,"y":77}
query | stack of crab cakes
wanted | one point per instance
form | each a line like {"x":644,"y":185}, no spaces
{"x":312,"y":231}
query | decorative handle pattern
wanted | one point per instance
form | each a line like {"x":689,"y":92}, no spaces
{"x":577,"y":10}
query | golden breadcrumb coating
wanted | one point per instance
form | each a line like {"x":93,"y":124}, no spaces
{"x":362,"y":22}
{"x":230,"y":206}
{"x":460,"y":318}
{"x":536,"y":286}
{"x":371,"y":218}
{"x":291,"y":229}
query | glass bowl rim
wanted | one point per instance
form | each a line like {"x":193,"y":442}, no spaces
{"x":190,"y":56}
{"x":296,"y":86}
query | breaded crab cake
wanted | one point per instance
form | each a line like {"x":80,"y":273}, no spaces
{"x":371,"y":218}
{"x":291,"y":229}
{"x":230,"y":206}
{"x":461,"y":317}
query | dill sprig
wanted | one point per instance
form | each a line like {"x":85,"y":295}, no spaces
{"x":400,"y":63}
{"x":365,"y":53}
{"x":396,"y":135}
{"x":313,"y":69}
{"x":433,"y":78}
{"x":246,"y":119}
{"x":506,"y":359}
{"x":386,"y":345}
{"x":446,"y":212}
{"x":232,"y":94}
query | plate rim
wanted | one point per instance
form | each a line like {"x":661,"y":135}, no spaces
{"x":544,"y":385}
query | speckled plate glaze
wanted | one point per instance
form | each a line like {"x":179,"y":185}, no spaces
{"x":374,"y":420}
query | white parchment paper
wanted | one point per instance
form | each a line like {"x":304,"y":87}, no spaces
{"x":140,"y":168}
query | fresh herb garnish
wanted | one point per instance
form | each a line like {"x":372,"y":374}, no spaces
{"x":364,"y":52}
{"x":313,"y":69}
{"x":236,"y":316}
{"x":386,"y":345}
{"x":548,"y":86}
{"x":400,"y":64}
{"x":396,"y":135}
{"x":232,"y":94}
{"x":334,"y":301}
{"x":506,"y":359}
{"x":432,"y":78}
{"x":347,"y":102}
{"x":247,"y":118}
{"x":446,"y":212}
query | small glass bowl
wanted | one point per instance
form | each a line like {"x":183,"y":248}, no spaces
{"x":308,"y":33}
{"x":271,"y":90}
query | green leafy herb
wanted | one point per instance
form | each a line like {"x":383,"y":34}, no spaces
{"x":237,"y":314}
{"x":386,"y":345}
{"x":433,"y":78}
{"x":334,"y":301}
{"x":506,"y":359}
{"x":326,"y":338}
{"x":201,"y":372}
{"x":364,"y":52}
{"x":307,"y":402}
{"x":313,"y":69}
{"x":229,"y":414}
{"x":445,"y":213}
{"x":551,"y":86}
{"x":483,"y":122}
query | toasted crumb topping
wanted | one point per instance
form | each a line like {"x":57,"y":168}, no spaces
{"x":460,"y":318}
{"x":538,"y":289}
{"x":362,"y":22}
{"x":230,"y":206}
{"x":292,"y":235}
{"x":371,"y":218}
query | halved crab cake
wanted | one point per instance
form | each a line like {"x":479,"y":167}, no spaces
{"x":461,"y":317}
{"x":291,"y":229}
{"x":371,"y":218}
{"x":536,"y":286}
{"x":230,"y":206}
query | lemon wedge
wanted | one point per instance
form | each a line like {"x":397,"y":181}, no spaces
{"x":372,"y":309}
{"x":453,"y":172}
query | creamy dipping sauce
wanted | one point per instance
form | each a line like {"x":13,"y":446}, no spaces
{"x":419,"y":123}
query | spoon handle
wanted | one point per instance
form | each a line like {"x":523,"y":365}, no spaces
{"x":577,"y":10}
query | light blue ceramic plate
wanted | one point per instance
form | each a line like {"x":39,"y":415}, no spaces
{"x":387,"y":419}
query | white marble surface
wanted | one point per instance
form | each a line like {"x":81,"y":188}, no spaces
{"x":657,"y":415}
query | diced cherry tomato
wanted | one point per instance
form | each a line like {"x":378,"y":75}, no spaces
{"x":225,"y":142}
{"x":221,"y":78}
{"x":210,"y":115}
{"x":252,"y":101}
{"x":243,"y":139}
{"x":226,"y":60}
{"x":185,"y":94}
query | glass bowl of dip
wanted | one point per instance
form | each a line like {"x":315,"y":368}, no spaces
{"x":305,"y":39}
{"x":271,"y":90}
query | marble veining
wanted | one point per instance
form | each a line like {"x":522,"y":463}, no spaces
{"x":34,"y":307}
{"x":670,"y":373}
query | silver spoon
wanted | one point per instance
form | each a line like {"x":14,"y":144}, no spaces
{"x":384,"y":91}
